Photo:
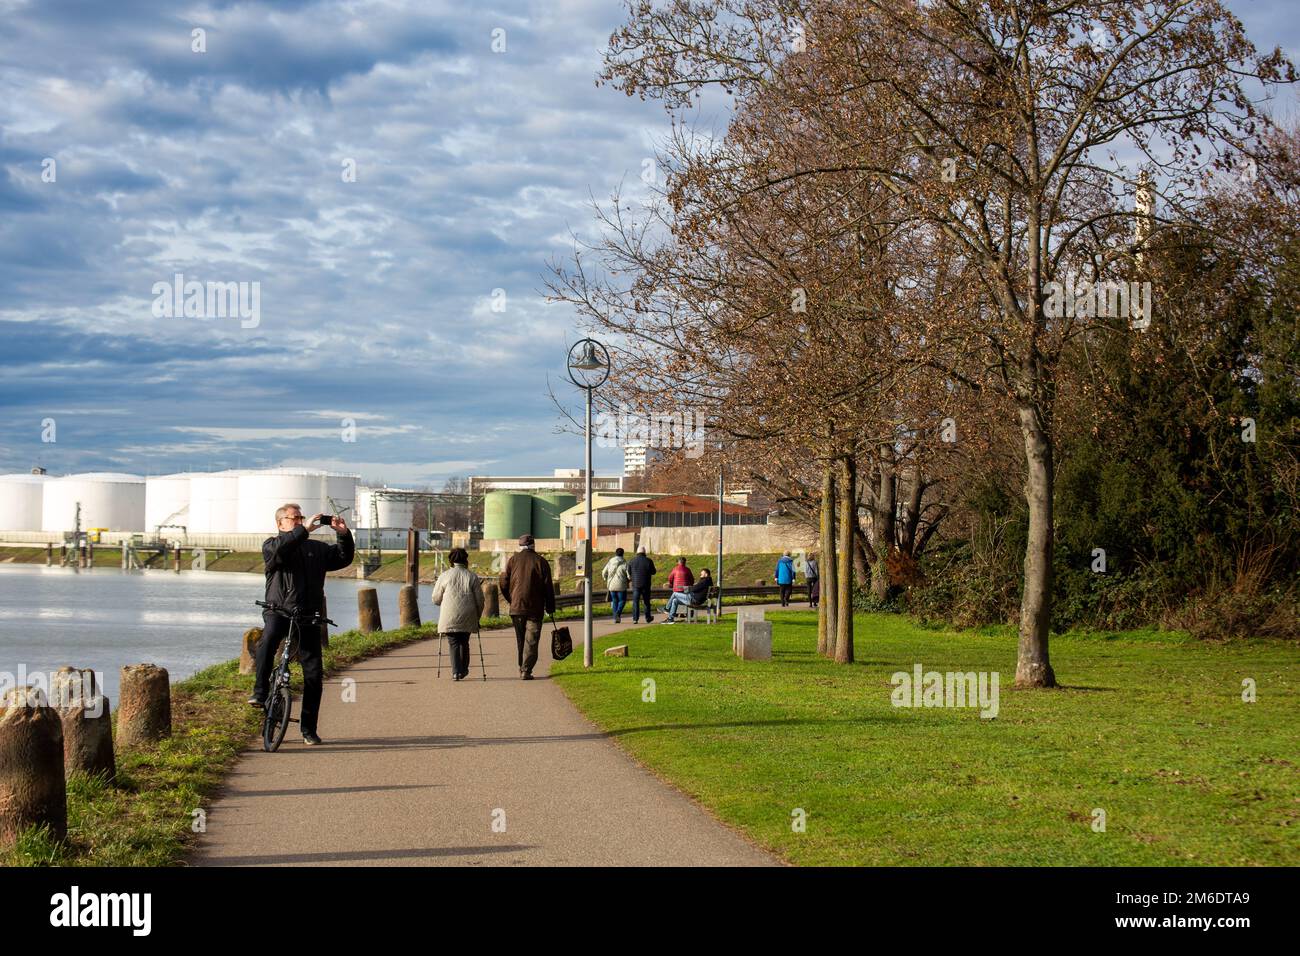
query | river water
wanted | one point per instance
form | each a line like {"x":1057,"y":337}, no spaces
{"x":105,"y":618}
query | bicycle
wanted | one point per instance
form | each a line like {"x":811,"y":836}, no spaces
{"x":279,"y":702}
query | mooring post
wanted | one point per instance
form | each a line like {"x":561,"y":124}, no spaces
{"x":49,"y":554}
{"x":178,"y":559}
{"x":408,"y":607}
{"x":31,"y":765}
{"x":412,"y":558}
{"x":87,"y":722}
{"x":491,"y":599}
{"x":144,"y":711}
{"x":368,"y":617}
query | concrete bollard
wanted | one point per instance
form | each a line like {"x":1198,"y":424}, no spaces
{"x":32,"y":789}
{"x":144,"y":712}
{"x":408,"y":608}
{"x":248,"y":650}
{"x":87,"y":723}
{"x":368,"y":611}
{"x":756,"y":640}
{"x":491,"y":599}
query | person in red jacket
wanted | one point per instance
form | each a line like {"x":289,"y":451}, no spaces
{"x":680,"y":577}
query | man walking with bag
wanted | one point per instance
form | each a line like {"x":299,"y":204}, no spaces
{"x":526,"y":586}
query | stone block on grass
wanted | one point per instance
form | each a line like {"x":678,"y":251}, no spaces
{"x":756,"y":640}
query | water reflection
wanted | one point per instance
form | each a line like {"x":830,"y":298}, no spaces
{"x":104,"y":618}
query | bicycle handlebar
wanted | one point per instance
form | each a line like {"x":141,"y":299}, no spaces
{"x":295,"y":613}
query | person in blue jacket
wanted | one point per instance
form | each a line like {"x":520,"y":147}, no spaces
{"x":785,"y":577}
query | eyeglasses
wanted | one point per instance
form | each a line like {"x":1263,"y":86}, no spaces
{"x":294,"y":518}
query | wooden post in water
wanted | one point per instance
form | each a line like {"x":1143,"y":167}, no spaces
{"x":412,"y":557}
{"x":49,"y":554}
{"x":178,"y":559}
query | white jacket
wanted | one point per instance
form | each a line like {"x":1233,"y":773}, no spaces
{"x":615,"y":574}
{"x":458,"y":593}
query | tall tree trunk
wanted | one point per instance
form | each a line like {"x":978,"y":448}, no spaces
{"x":912,"y":512}
{"x":1032,"y":666}
{"x":882,"y":524}
{"x":848,"y":517}
{"x":826,"y":606}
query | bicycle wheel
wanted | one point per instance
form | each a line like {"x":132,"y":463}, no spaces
{"x":278,"y":710}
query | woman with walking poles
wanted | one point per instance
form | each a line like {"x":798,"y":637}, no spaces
{"x":458,"y":593}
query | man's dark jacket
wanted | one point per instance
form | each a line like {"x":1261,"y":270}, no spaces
{"x":641,"y":571}
{"x":526,"y":585}
{"x":296,"y":566}
{"x":699,"y":591}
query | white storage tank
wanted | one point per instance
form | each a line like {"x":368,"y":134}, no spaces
{"x":262,"y":492}
{"x":393,"y":512}
{"x":113,"y":502}
{"x":214,"y":502}
{"x":21,"y":501}
{"x":167,"y":501}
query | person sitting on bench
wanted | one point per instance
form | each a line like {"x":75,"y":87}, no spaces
{"x":696,"y":596}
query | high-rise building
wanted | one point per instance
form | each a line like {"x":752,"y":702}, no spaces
{"x":637,"y":457}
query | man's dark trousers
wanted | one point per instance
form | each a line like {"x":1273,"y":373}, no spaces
{"x":275,"y":629}
{"x":528,"y":634}
{"x":639,"y":595}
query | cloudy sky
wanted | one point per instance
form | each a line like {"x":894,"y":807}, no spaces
{"x":393,"y":176}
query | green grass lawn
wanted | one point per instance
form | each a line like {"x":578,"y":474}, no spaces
{"x":1149,"y":727}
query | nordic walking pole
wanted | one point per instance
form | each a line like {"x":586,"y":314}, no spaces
{"x":480,"y":654}
{"x":439,"y":656}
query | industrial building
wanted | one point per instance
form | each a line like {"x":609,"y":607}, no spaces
{"x":630,"y":512}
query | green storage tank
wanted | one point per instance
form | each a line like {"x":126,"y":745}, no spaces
{"x":507,"y":514}
{"x":547,"y":508}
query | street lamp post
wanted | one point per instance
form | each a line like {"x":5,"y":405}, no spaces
{"x":588,"y":370}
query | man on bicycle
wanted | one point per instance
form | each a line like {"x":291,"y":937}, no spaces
{"x":295,"y":578}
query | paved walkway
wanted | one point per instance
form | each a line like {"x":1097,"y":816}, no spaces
{"x":417,"y":769}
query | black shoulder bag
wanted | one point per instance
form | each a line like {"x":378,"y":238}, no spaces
{"x":561,"y":641}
